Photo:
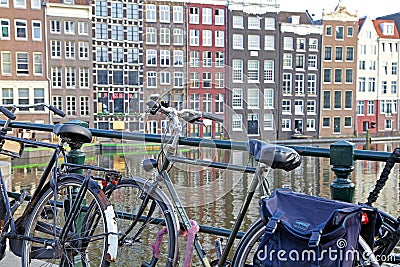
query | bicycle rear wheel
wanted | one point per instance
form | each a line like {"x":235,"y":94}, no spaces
{"x":248,"y":245}
{"x":138,"y":234}
{"x":86,"y":242}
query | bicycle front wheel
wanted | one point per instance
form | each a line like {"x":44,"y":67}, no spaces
{"x":148,"y":230}
{"x":86,"y":240}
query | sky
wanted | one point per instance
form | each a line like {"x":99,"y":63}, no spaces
{"x":371,"y":8}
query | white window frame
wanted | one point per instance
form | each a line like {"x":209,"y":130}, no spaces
{"x":177,"y":16}
{"x":84,"y":106}
{"x":253,"y":42}
{"x":69,"y":27}
{"x":269,"y":42}
{"x":268,"y":98}
{"x":5,"y":24}
{"x":219,"y":18}
{"x":165,"y":58}
{"x":25,"y":61}
{"x":286,"y":125}
{"x":237,"y":122}
{"x":312,"y":84}
{"x":194,"y":15}
{"x":165,"y":13}
{"x":269,"y":71}
{"x":237,"y":98}
{"x":253,"y":23}
{"x":151,"y":54}
{"x":237,"y":41}
{"x":207,"y":38}
{"x":151,"y":35}
{"x":83,"y":28}
{"x":194,"y":37}
{"x":237,"y":70}
{"x":37,"y":64}
{"x":165,"y":77}
{"x":7,"y":63}
{"x":219,"y":38}
{"x":83,"y":50}
{"x":69,"y":50}
{"x":206,"y":15}
{"x":70,"y":77}
{"x":253,"y":98}
{"x":237,"y":22}
{"x":36,"y":29}
{"x":25,"y":28}
{"x":253,"y":71}
{"x":84,"y":81}
{"x":178,"y":36}
{"x":178,"y":58}
{"x":269,"y":23}
{"x":151,"y":13}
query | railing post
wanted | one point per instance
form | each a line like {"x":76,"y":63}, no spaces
{"x":76,"y":155}
{"x":342,"y":161}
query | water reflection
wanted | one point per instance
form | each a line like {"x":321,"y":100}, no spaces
{"x":214,"y":197}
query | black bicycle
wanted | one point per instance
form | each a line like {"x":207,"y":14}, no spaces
{"x":68,"y":220}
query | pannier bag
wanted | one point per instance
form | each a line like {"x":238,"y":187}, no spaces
{"x":303,"y":230}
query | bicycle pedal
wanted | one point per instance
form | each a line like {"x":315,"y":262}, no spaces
{"x":218,"y":247}
{"x":152,"y":263}
{"x":47,"y":213}
{"x":15,"y":204}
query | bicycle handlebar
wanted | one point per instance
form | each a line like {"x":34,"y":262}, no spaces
{"x":10,"y":113}
{"x":57,"y":111}
{"x":7,"y":113}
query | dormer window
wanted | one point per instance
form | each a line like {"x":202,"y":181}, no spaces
{"x":387,"y":28}
{"x":295,"y":20}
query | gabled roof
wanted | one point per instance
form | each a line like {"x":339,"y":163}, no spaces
{"x":361,"y":23}
{"x":377,"y":25}
{"x":395,"y":17}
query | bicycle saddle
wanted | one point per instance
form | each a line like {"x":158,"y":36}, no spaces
{"x":73,"y":133}
{"x":279,"y":157}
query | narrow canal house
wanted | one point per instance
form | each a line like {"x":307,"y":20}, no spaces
{"x":117,"y":64}
{"x":69,"y":54}
{"x":299,"y":75}
{"x":253,"y":62}
{"x":339,"y":66}
{"x":164,"y":28}
{"x":23,"y":58}
{"x":206,"y":45}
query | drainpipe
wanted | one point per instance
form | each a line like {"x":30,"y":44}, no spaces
{"x":44,"y":5}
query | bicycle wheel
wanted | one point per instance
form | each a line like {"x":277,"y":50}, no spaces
{"x":137,"y":237}
{"x":248,"y":245}
{"x":86,"y":241}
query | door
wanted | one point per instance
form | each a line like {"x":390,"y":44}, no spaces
{"x":336,"y":125}
{"x":252,"y":124}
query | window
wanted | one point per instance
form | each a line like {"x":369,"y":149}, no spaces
{"x":253,"y":69}
{"x":101,"y":31}
{"x":394,"y":68}
{"x":83,"y":50}
{"x":19,"y":3}
{"x":116,"y":10}
{"x":207,"y":16}
{"x":207,"y":80}
{"x":151,"y":79}
{"x":71,"y":105}
{"x":3,"y":3}
{"x":56,"y":76}
{"x":178,"y":79}
{"x":310,"y":125}
{"x":237,"y":98}
{"x":219,"y":59}
{"x":164,"y":58}
{"x":118,"y":77}
{"x":151,"y":15}
{"x":253,"y":97}
{"x":133,"y":33}
{"x":101,"y":8}
{"x":312,"y":84}
{"x":253,"y":23}
{"x":207,"y":38}
{"x":37,"y":64}
{"x":237,"y":68}
{"x":151,"y":35}
{"x":194,"y":15}
{"x":132,"y":11}
{"x":55,"y":49}
{"x":371,"y":107}
{"x":133,"y":55}
{"x":299,"y":61}
{"x":269,"y":23}
{"x":236,"y":122}
{"x":165,"y":78}
{"x":22,"y":63}
{"x":5,"y":29}
{"x":339,"y":32}
{"x":312,"y":61}
{"x":69,"y":27}
{"x":299,"y":84}
{"x":177,"y":37}
{"x":301,"y":44}
{"x":337,"y":100}
{"x":328,"y":52}
{"x":287,"y":61}
{"x":69,"y":50}
{"x":269,"y":42}
{"x":207,"y":102}
{"x":23,"y":98}
{"x":393,"y":87}
{"x":349,"y":75}
{"x":268,"y":121}
{"x":237,"y":41}
{"x":177,"y":14}
{"x":360,"y":108}
{"x":371,"y":85}
{"x":21,"y":31}
{"x":151,"y":57}
{"x":326,"y":122}
{"x":350,"y":31}
{"x":57,"y":102}
{"x":117,"y":32}
{"x":165,"y":14}
{"x":102,"y":77}
{"x":298,"y":107}
{"x":313,"y":44}
{"x":384,"y":87}
{"x":38,"y":97}
{"x":327,"y":99}
{"x":388,"y":124}
{"x":286,"y":125}
{"x":36,"y":30}
{"x":348,"y":102}
{"x":8,"y":95}
{"x":327,"y":75}
{"x":339,"y":53}
{"x":253,"y":42}
{"x":70,"y":77}
{"x":207,"y":59}
{"x":5,"y":63}
{"x":219,"y":103}
{"x":349,"y":53}
{"x":194,"y":101}
{"x":338,"y":75}
{"x":84,"y":104}
{"x":133,"y":78}
{"x":194,"y":80}
{"x":102,"y":54}
{"x":288,"y":43}
{"x":363,"y":49}
{"x":194,"y":58}
{"x":328,"y":30}
{"x":311,"y":107}
{"x":361,"y":65}
{"x":286,"y":106}
{"x":237,"y":22}
{"x":219,"y":39}
{"x":194,"y":38}
{"x":269,"y":71}
{"x":361,"y":84}
{"x":269,"y":98}
{"x":219,"y":16}
{"x":84,"y":77}
{"x":178,"y":58}
{"x":287,"y":84}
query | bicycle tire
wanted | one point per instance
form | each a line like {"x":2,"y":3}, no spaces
{"x":247,"y":246}
{"x":136,"y":248}
{"x":88,"y":240}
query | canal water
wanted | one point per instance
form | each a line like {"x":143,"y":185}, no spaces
{"x":214,"y":197}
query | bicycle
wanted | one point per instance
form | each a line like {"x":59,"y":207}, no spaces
{"x":68,"y":220}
